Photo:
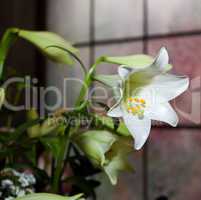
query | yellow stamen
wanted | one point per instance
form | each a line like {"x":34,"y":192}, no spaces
{"x":136,"y":106}
{"x":130,"y":99}
{"x":136,"y":99}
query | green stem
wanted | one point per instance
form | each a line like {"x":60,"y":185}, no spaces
{"x":65,"y":146}
{"x":87,"y":81}
{"x":59,"y":165}
{"x":60,"y":160}
{"x":73,"y":55}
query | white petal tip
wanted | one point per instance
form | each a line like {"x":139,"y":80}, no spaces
{"x":137,"y":147}
{"x":187,"y":83}
{"x":164,"y":53}
{"x":163,"y":49}
{"x":174,"y":119}
{"x":110,"y":114}
{"x":115,"y":112}
{"x":124,"y":71}
{"x":139,"y":144}
{"x":162,"y":59}
{"x":175,"y":123}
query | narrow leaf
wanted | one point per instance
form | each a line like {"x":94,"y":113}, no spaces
{"x":139,"y":60}
{"x":109,"y":80}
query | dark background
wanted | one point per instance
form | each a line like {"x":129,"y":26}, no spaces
{"x":27,"y":15}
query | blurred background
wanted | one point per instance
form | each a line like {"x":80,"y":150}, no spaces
{"x":169,"y":166}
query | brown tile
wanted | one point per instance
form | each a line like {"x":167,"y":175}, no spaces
{"x":174,"y":164}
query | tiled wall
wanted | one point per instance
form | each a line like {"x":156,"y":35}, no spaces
{"x":172,"y":162}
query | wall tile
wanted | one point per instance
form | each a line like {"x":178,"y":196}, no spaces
{"x":173,"y":16}
{"x":69,"y":18}
{"x":118,"y":19}
{"x":174,"y":167}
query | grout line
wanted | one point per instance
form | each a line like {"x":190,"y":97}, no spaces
{"x":145,"y":163}
{"x":138,"y":39}
{"x":164,"y":127}
{"x":92,"y":32}
{"x":145,"y":181}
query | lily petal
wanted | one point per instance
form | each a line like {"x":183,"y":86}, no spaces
{"x":169,"y":86}
{"x":161,"y":60}
{"x":143,"y":76}
{"x":163,"y":88}
{"x":163,"y":112}
{"x":115,"y":111}
{"x":124,"y":71}
{"x":139,"y":128}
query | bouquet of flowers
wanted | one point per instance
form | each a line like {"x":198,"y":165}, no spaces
{"x":57,"y":156}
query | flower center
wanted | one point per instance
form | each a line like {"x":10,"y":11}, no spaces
{"x":136,"y":106}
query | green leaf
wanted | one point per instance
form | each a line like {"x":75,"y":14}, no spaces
{"x":133,"y":60}
{"x":2,"y":96}
{"x":95,"y":144}
{"x":104,"y":121}
{"x":23,"y":127}
{"x":109,"y":80}
{"x":7,"y":40}
{"x":41,"y":39}
{"x":108,"y":122}
{"x":52,"y":144}
{"x":140,"y":60}
{"x":123,"y":130}
{"x":46,"y":196}
{"x":52,"y":126}
{"x":117,"y":159}
{"x":44,"y":40}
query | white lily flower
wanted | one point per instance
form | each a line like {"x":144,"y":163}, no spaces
{"x":145,"y":95}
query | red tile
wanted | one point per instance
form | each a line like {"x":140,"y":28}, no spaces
{"x":174,"y":164}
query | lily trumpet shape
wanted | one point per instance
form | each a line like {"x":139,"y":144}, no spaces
{"x":145,"y":93}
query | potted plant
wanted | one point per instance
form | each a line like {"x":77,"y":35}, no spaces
{"x":57,"y":156}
